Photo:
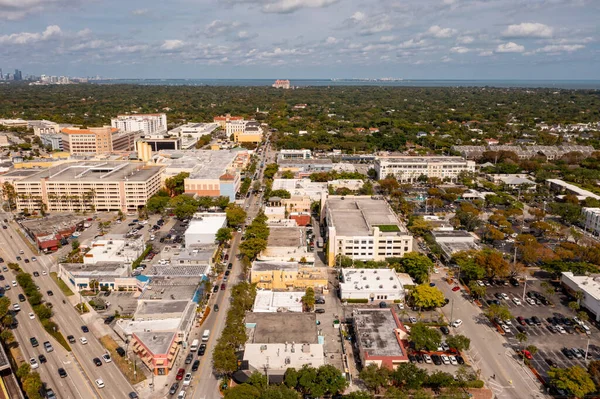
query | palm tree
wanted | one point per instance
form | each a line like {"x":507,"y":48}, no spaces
{"x":521,"y":337}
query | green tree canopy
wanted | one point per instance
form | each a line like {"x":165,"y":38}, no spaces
{"x":575,"y":380}
{"x":425,"y":337}
{"x":426,"y":297}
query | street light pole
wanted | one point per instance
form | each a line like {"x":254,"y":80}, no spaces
{"x":452,"y":312}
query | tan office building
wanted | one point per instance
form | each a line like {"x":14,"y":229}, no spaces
{"x":98,"y":140}
{"x":89,"y":186}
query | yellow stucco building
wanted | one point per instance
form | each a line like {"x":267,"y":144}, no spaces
{"x":280,"y":276}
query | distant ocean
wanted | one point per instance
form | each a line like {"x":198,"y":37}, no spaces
{"x":558,"y":84}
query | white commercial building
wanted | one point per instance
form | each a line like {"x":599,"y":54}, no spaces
{"x":278,"y":341}
{"x":589,"y":285}
{"x":203,"y":228}
{"x":364,"y":228}
{"x":591,"y":220}
{"x":268,"y":301}
{"x":451,"y":242}
{"x":195,"y":130}
{"x":371,"y":284}
{"x":113,"y":250}
{"x":147,"y":123}
{"x":410,"y":168}
{"x":294,"y":154}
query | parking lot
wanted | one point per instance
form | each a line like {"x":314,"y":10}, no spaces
{"x":548,"y":341}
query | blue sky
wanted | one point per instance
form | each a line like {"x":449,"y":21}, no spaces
{"x":413,"y":39}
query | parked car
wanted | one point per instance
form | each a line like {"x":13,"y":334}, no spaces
{"x":173,"y":389}
{"x":436,"y":359}
{"x":201,"y":349}
{"x":196,"y":365}
{"x":445,"y":330}
{"x":189,"y":358}
{"x":180,"y":374}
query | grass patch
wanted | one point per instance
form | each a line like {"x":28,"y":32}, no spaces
{"x":61,"y":284}
{"x":82,"y":308}
{"x":123,"y":363}
{"x":60,"y":338}
{"x":388,"y":228}
{"x":356,"y":300}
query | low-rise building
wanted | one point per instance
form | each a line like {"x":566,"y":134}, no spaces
{"x":268,"y":301}
{"x":114,"y":249}
{"x":563,"y":187}
{"x":203,"y":228}
{"x":591,"y":219}
{"x":278,"y":341}
{"x":379,"y":337}
{"x":222,"y":121}
{"x":158,"y":142}
{"x":364,"y":228}
{"x":194,"y":130}
{"x":451,"y":242}
{"x":49,"y":231}
{"x":53,"y":141}
{"x":287,"y":244}
{"x":282,"y":276}
{"x":294,"y":154}
{"x":301,"y":188}
{"x":589,"y":286}
{"x":513,"y":181}
{"x":305,"y":167}
{"x":244,"y":131}
{"x":409,"y":168}
{"x":212,"y":173}
{"x":371,"y":284}
{"x":158,"y":350}
{"x":112,"y":276}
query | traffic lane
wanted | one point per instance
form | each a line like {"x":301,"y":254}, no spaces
{"x":215,"y":323}
{"x":69,"y":320}
{"x":29,"y":328}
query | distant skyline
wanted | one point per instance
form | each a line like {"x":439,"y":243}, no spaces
{"x":303,"y":39}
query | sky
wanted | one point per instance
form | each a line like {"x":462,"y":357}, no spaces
{"x":303,"y":39}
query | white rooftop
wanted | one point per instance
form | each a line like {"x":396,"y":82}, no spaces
{"x":206,"y":224}
{"x":271,"y":301}
{"x":370,"y":279}
{"x":588,"y":284}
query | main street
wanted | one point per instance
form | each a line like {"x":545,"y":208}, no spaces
{"x":68,"y":320}
{"x":204,"y":384}
{"x":489,"y":350}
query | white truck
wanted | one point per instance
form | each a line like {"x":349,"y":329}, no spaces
{"x":194,"y":346}
{"x":205,"y":335}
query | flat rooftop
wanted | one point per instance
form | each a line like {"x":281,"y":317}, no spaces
{"x":96,"y":171}
{"x":206,"y":224}
{"x":51,"y":224}
{"x":300,"y":328}
{"x":356,"y":215}
{"x":156,"y":342}
{"x":382,"y":279}
{"x":109,"y":269}
{"x":311,"y":161}
{"x":20,"y":173}
{"x":452,"y":234}
{"x":376,"y":332}
{"x":160,"y":307}
{"x":286,"y":237}
{"x":175,"y":292}
{"x":177,"y":270}
{"x":588,"y":284}
{"x":273,"y":301}
{"x":417,"y":159}
{"x":205,"y":164}
{"x":266,"y":265}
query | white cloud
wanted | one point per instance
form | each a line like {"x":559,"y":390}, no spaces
{"x":285,"y":6}
{"x":486,"y":53}
{"x":170,"y":45}
{"x":528,"y":29}
{"x":140,"y":11}
{"x":439,"y":32}
{"x":358,"y":16}
{"x":459,"y":50}
{"x":510,"y":47}
{"x":17,"y":9}
{"x":331,"y":40}
{"x":446,"y":59}
{"x":387,"y":39}
{"x":51,"y":31}
{"x":412,"y":43}
{"x":465,"y":39}
{"x":560,"y":48}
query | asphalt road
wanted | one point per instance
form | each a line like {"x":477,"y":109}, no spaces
{"x":489,"y":351}
{"x":69,"y":322}
{"x":204,"y":384}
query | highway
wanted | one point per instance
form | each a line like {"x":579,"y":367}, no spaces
{"x":68,"y":320}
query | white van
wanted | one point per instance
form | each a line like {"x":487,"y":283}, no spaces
{"x":205,"y":335}
{"x":194,"y":346}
